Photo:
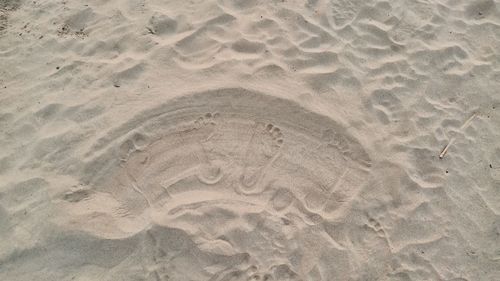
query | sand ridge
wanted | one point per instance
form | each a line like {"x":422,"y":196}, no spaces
{"x":249,"y":140}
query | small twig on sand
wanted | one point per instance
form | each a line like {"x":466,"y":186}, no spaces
{"x":467,"y":123}
{"x":150,"y":30}
{"x":445,"y":149}
{"x":463,"y":127}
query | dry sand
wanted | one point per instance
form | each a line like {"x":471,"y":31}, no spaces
{"x":254,"y":140}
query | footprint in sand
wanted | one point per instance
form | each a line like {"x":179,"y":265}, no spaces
{"x":208,"y":172}
{"x":262,"y":150}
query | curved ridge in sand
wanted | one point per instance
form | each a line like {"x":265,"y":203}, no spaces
{"x":230,"y":144}
{"x":230,"y":159}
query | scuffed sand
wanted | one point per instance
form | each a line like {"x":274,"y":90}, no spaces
{"x":245,"y":140}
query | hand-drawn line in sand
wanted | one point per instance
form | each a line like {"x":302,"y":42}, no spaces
{"x":464,"y":126}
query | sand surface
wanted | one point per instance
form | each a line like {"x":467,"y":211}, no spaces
{"x":224,"y":140}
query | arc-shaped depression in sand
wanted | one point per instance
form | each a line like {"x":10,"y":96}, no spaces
{"x":216,"y":164}
{"x":232,"y":145}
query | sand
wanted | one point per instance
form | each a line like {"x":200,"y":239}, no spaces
{"x":245,"y":140}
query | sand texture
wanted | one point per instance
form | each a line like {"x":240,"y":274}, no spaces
{"x":249,"y":140}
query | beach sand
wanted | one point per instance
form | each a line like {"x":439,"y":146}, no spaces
{"x":258,"y":140}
